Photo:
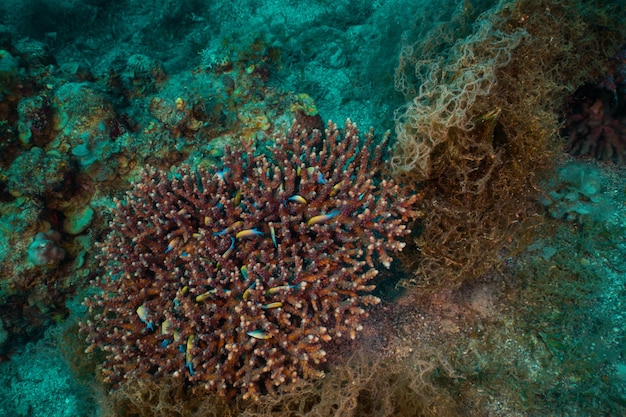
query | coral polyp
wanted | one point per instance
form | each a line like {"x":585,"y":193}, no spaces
{"x":236,"y":278}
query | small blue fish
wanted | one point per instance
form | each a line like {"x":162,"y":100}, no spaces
{"x":322,"y":218}
{"x":297,"y":198}
{"x":274,"y":290}
{"x":221,"y":174}
{"x":188,"y":363}
{"x":230,"y":249}
{"x":273,"y":234}
{"x":270,"y":306}
{"x":248,"y":233}
{"x":320,"y":178}
{"x":142,"y":312}
{"x":174,"y":243}
{"x":336,"y":188}
{"x":246,"y":293}
{"x":228,"y":229}
{"x":259,"y":334}
{"x":166,"y":327}
{"x":200,"y":298}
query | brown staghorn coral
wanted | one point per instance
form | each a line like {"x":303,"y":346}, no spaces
{"x":237,"y":278}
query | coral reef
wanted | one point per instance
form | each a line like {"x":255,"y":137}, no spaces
{"x":238,"y":278}
{"x":596,"y":121}
{"x":168,"y":84}
{"x":71,"y":138}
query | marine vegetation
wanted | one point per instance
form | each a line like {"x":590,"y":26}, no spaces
{"x":480,"y":130}
{"x":240,"y":278}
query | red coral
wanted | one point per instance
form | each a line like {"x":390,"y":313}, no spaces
{"x":237,"y":278}
{"x":597,"y":130}
{"x":596,"y":123}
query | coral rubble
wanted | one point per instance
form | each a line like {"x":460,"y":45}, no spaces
{"x":237,"y":278}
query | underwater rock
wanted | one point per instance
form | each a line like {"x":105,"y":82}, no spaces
{"x":78,"y":220}
{"x":83,"y":118}
{"x":35,"y":121}
{"x":8,"y":71}
{"x":576,"y":194}
{"x":43,"y":251}
{"x":142,"y":70}
{"x":4,"y":335}
{"x":37,"y":173}
{"x":35,"y":53}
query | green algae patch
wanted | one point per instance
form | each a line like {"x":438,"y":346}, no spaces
{"x":77,"y":221}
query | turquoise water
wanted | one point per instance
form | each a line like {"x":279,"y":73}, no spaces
{"x":91,"y":92}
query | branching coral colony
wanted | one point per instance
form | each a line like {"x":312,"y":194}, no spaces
{"x":237,"y":278}
{"x":596,"y":123}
